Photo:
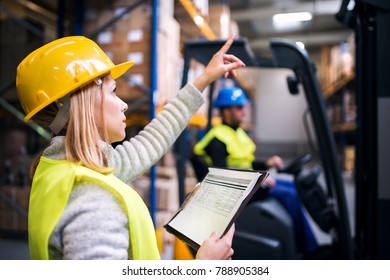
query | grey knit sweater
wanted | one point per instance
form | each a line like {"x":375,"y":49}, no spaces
{"x":93,"y":226}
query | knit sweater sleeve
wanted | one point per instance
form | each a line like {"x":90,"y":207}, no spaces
{"x":134,"y":157}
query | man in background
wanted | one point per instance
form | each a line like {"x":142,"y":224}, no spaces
{"x":227,"y":145}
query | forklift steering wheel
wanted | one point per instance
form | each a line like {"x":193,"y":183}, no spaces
{"x":295,"y":167}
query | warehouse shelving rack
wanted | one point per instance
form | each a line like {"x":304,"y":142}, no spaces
{"x":78,"y":9}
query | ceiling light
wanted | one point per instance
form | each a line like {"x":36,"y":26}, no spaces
{"x":198,"y":20}
{"x":291,"y":21}
{"x":291,"y":17}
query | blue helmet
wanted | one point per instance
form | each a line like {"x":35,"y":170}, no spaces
{"x":232,"y":96}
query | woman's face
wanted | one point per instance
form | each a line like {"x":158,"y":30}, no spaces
{"x":114,"y":112}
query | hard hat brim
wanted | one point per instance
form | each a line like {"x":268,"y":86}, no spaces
{"x":121,"y":69}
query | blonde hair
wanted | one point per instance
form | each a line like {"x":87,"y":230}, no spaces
{"x":82,"y":139}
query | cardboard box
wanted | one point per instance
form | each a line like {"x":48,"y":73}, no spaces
{"x":10,"y":218}
{"x":129,"y":92}
{"x":138,"y":18}
{"x":219,"y":20}
{"x":349,"y":158}
{"x":167,"y":194}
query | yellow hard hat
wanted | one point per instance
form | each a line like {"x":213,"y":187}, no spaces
{"x":59,"y":68}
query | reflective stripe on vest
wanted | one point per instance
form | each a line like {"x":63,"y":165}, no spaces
{"x":52,"y":185}
{"x":239,"y":146}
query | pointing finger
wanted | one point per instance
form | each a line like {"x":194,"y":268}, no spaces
{"x":228,"y":44}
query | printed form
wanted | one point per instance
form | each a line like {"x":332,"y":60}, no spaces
{"x":213,"y":203}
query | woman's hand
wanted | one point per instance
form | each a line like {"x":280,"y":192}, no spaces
{"x":215,"y":248}
{"x":270,"y":182}
{"x":221,"y":64}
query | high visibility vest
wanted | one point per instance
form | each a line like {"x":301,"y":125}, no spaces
{"x":52,"y":184}
{"x":239,"y":145}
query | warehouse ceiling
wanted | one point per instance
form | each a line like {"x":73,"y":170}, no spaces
{"x":254,"y":20}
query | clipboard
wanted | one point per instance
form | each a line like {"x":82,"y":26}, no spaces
{"x":214,"y":204}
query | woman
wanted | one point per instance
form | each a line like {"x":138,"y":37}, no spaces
{"x":80,"y":205}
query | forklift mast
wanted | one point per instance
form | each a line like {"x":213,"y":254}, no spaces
{"x":370,"y":20}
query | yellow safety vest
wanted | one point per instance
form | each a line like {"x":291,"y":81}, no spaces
{"x":52,"y":184}
{"x":239,"y":146}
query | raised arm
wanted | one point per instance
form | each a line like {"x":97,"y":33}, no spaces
{"x":136,"y":156}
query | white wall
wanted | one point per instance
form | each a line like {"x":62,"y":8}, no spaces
{"x":278,"y":113}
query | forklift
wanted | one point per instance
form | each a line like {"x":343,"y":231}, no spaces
{"x":370,"y":20}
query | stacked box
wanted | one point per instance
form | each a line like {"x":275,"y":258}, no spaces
{"x":166,"y":183}
{"x":336,"y":62}
{"x":167,"y":194}
{"x":349,"y":159}
{"x":335,"y":69}
{"x":219,"y":20}
{"x":169,"y":61}
{"x":128,"y":39}
{"x":10,"y":218}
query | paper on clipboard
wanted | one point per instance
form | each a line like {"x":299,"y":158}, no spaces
{"x":214,"y":204}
